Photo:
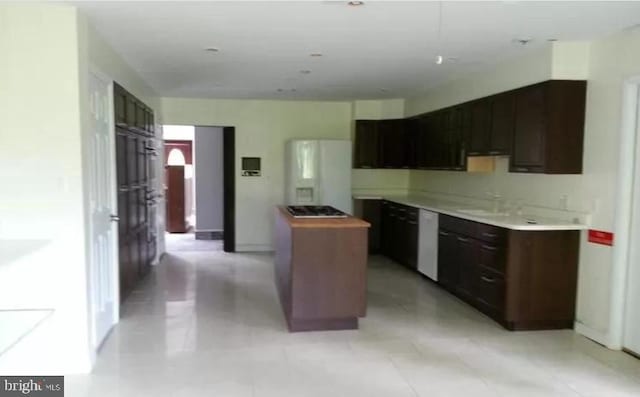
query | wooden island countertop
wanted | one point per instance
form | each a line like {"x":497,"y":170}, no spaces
{"x":321,"y":271}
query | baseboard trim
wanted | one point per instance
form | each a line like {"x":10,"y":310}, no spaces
{"x":209,"y":234}
{"x":588,"y":332}
{"x":254,"y":248}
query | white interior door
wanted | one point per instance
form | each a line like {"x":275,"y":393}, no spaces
{"x":103,"y":267}
{"x":632,"y":315}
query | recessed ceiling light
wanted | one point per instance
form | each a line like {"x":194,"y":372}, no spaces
{"x":356,"y":3}
{"x":522,"y":42}
{"x":212,"y":49}
{"x":315,"y":54}
{"x":305,"y":71}
{"x":439,"y":60}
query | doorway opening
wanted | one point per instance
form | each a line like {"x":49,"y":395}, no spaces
{"x":196,"y":187}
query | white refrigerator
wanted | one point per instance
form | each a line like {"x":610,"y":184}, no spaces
{"x":318,"y":172}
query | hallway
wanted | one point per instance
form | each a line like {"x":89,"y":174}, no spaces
{"x":209,"y":323}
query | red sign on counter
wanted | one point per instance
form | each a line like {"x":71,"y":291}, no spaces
{"x":600,"y":237}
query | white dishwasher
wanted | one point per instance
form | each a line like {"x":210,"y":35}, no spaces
{"x":428,"y":244}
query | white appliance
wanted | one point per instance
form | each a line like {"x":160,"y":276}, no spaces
{"x":318,"y":172}
{"x":428,"y":244}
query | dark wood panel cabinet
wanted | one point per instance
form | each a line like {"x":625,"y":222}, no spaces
{"x":400,"y":233}
{"x":135,"y":155}
{"x":549,"y":128}
{"x":366,"y":146}
{"x":522,"y":279}
{"x":448,"y":265}
{"x":540,"y":127}
{"x":480,"y":134}
{"x":502,"y":123}
{"x":370,"y":210}
{"x":392,"y":143}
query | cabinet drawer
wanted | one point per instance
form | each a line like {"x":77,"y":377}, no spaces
{"x":412,"y":214}
{"x":491,"y":234}
{"x":458,"y":225}
{"x":490,"y":291}
{"x":491,"y":256}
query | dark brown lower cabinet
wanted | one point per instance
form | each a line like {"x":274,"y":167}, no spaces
{"x":370,"y":210}
{"x":400,"y":233}
{"x":525,"y":280}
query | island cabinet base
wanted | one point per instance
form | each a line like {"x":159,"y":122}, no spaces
{"x":320,"y":271}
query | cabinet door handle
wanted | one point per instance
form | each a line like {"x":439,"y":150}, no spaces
{"x":522,"y":169}
{"x":364,"y":166}
{"x":413,"y":222}
{"x":443,"y":233}
{"x":495,"y":152}
{"x":463,"y":240}
{"x":473,"y":153}
{"x":489,"y":234}
{"x":488,"y":280}
{"x":488,"y":247}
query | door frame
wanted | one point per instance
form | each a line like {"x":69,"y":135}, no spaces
{"x":629,"y":161}
{"x":113,"y":190}
{"x":229,"y":188}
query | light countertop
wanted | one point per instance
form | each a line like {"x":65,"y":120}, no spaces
{"x":465,"y":211}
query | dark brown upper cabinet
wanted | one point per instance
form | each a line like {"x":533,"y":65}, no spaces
{"x":480,"y":134}
{"x":502,"y":123}
{"x":366,"y":147}
{"x":457,"y":138}
{"x":492,"y":122}
{"x":392,"y":143}
{"x":412,"y":142}
{"x":120,"y":105}
{"x":549,"y":128}
{"x":539,"y":126}
{"x":422,"y":143}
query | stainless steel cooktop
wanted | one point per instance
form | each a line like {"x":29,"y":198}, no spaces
{"x":315,"y":211}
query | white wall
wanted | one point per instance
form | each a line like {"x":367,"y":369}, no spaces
{"x":528,"y":69}
{"x":262,"y":128}
{"x":48,"y":50}
{"x":606,"y":63}
{"x":41,"y":171}
{"x":209,"y":178}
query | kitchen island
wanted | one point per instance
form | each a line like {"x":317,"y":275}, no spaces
{"x":320,"y":271}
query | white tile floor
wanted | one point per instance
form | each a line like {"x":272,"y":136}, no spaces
{"x":209,"y":324}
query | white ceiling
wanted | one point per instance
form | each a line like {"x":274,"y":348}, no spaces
{"x":381,"y":49}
